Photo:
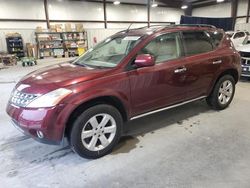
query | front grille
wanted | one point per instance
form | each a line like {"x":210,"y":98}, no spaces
{"x":245,"y":58}
{"x":22,"y":99}
{"x":245,"y":61}
{"x":245,"y":54}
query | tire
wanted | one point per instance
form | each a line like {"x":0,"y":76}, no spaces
{"x":87,"y":137}
{"x":223,"y":93}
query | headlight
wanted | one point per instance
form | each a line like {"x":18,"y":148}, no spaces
{"x":22,"y":99}
{"x":50,"y":99}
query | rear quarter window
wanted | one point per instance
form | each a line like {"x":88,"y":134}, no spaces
{"x":216,"y":37}
{"x":197,"y":42}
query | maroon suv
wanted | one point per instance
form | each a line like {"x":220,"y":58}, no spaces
{"x":129,"y":75}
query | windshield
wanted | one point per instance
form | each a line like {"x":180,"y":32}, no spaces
{"x":108,"y":53}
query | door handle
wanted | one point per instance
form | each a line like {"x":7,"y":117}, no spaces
{"x":217,"y":62}
{"x":180,"y":70}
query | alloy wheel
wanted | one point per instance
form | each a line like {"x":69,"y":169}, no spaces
{"x":225,"y":92}
{"x":98,"y":132}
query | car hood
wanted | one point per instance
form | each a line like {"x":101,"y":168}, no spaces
{"x":243,"y":48}
{"x":62,"y":75}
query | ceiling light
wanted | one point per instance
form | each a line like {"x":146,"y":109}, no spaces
{"x":219,"y":1}
{"x":154,"y":5}
{"x":184,"y":7}
{"x":116,"y":2}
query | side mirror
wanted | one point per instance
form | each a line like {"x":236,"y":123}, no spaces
{"x":144,"y":60}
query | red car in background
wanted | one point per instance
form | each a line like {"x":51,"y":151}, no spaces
{"x":129,"y":75}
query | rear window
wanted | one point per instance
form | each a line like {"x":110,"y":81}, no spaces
{"x":239,"y":35}
{"x":216,"y":37}
{"x":197,"y":42}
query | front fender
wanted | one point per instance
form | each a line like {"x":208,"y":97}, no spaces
{"x":84,"y":97}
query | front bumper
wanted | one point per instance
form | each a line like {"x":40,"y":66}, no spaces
{"x":245,"y":71}
{"x":33,"y":134}
{"x":245,"y":64}
{"x":41,"y":124}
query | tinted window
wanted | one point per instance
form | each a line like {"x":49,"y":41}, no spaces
{"x":239,"y":35}
{"x":197,"y":42}
{"x":216,"y":37}
{"x":164,"y":47}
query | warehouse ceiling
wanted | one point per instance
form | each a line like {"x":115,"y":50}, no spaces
{"x":168,"y":3}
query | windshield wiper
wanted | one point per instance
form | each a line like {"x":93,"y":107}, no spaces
{"x":98,"y":67}
{"x":92,"y":66}
{"x":80,"y":64}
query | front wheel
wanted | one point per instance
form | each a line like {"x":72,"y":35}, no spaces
{"x":96,"y":131}
{"x":223,"y":93}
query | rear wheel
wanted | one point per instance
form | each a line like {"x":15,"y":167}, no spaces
{"x":223,"y":93}
{"x":96,"y":131}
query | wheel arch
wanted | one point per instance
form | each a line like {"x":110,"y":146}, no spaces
{"x":111,"y":100}
{"x":234,"y":73}
{"x":231,"y":72}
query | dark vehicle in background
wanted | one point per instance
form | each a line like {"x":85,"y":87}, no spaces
{"x":129,"y":75}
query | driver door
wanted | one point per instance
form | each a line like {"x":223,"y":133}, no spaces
{"x":164,"y":83}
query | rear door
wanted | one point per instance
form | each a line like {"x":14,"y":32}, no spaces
{"x":202,"y":61}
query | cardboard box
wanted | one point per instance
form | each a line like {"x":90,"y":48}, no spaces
{"x":46,"y":54}
{"x":31,"y":50}
{"x":81,"y":44}
{"x":8,"y":59}
{"x":79,"y":27}
{"x":68,"y":27}
{"x":66,"y":54}
{"x":52,"y":28}
{"x":58,"y":27}
{"x":39,"y":29}
{"x":59,"y":30}
{"x":13,"y":35}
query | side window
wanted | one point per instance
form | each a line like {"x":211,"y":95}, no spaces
{"x":197,"y":42}
{"x":164,"y":47}
{"x":216,"y":37}
{"x":239,"y":35}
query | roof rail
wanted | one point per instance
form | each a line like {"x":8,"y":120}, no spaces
{"x":196,"y":25}
{"x":152,"y":26}
{"x":169,"y":26}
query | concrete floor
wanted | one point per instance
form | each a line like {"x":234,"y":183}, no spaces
{"x":189,"y":146}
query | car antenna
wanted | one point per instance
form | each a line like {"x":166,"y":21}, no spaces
{"x":129,"y":27}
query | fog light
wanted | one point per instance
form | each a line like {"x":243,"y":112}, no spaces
{"x":39,"y":134}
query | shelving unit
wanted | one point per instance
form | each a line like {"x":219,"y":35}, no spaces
{"x":15,"y":45}
{"x":74,"y":42}
{"x":61,"y":44}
